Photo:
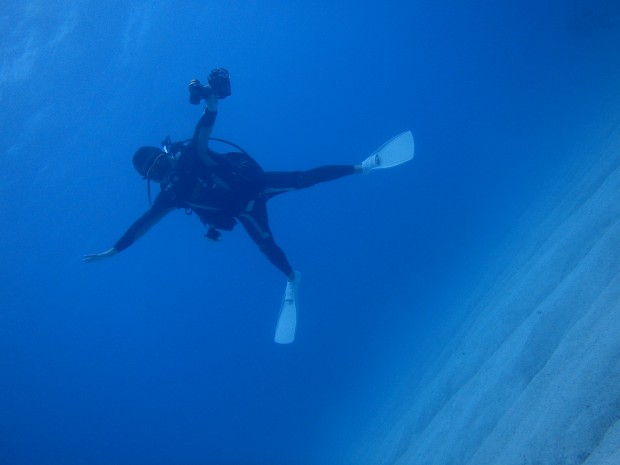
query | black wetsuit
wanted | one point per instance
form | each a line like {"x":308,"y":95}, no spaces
{"x":234,"y":189}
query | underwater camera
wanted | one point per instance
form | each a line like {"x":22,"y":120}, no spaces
{"x":219,"y":84}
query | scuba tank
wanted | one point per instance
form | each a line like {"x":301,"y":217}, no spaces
{"x":238,"y":163}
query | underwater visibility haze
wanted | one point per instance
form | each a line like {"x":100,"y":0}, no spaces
{"x":444,"y":302}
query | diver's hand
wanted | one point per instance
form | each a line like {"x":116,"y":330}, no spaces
{"x":100,"y":256}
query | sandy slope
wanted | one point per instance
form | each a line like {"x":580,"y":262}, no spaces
{"x":535,"y":375}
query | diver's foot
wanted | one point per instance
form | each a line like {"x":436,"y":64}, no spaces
{"x":372,"y":162}
{"x":292,"y":287}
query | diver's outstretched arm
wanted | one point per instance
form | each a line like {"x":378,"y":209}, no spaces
{"x":135,"y":231}
{"x":204,"y":128}
{"x":218,"y":88}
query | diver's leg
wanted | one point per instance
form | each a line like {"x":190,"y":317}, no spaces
{"x":285,"y":181}
{"x":254,"y":220}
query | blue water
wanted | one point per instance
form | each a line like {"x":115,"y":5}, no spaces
{"x":164,"y":354}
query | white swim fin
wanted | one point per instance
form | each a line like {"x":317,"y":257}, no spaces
{"x":287,"y":320}
{"x":396,"y":151}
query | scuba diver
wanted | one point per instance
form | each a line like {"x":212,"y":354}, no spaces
{"x":225,"y":188}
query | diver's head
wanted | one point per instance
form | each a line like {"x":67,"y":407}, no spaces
{"x":151,"y":163}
